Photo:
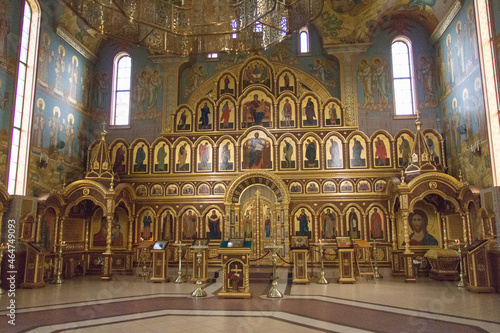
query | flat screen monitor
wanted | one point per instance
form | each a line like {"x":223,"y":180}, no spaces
{"x":160,"y":245}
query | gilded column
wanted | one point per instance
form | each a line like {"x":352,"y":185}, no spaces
{"x":394,"y":234}
{"x":38,"y":228}
{"x":407,"y":234}
{"x":366,"y":226}
{"x":445,"y":237}
{"x":56,"y":232}
{"x":464,"y":225}
{"x":341,"y":223}
{"x":87,"y":228}
{"x":130,"y":232}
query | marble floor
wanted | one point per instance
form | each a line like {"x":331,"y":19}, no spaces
{"x":132,"y":304}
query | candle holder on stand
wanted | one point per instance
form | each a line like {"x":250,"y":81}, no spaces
{"x":2,"y":248}
{"x":376,"y":273}
{"x":274,"y":292}
{"x":180,"y":245}
{"x":459,"y":246}
{"x":322,"y":279}
{"x":199,"y":292}
{"x":59,"y":266}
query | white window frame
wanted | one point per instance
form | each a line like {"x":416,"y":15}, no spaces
{"x":304,"y":42}
{"x":114,"y":100}
{"x":410,"y":79}
{"x":24,"y":100}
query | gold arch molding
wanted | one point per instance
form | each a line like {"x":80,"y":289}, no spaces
{"x":250,"y":178}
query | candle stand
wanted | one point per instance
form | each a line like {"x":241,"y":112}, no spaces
{"x":376,"y":273}
{"x":274,"y":292}
{"x":199,"y":292}
{"x":59,"y":266}
{"x":322,"y":279}
{"x":179,"y":279}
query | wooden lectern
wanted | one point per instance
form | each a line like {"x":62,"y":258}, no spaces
{"x":235,"y":276}
{"x":35,"y":259}
{"x":299,"y":248}
{"x":478,"y":269}
{"x":160,"y":262}
{"x":346,"y":260}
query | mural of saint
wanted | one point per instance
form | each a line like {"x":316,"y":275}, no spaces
{"x":82,"y":143}
{"x":227,"y":86}
{"x":183,"y":159}
{"x":214,"y":225}
{"x":184,"y":120}
{"x":189,"y":225}
{"x":47,"y":230}
{"x":167,"y":226}
{"x":205,"y":157}
{"x":70,"y":137}
{"x":101,"y":90}
{"x":381,"y":81}
{"x":333,"y":114}
{"x":365,"y":76}
{"x":154,"y":90}
{"x":85,"y":81}
{"x":304,"y":221}
{"x":257,"y":112}
{"x":247,"y":222}
{"x":56,"y":127}
{"x":310,"y":154}
{"x":116,"y":233}
{"x":329,"y":224}
{"x":4,"y":29}
{"x":225,"y":118}
{"x":381,"y":158}
{"x":419,"y":222}
{"x":285,"y":83}
{"x":39,"y":123}
{"x":256,"y":72}
{"x":257,"y":153}
{"x":287,"y":114}
{"x":73,"y":79}
{"x":295,"y":188}
{"x":267,"y":222}
{"x":354,"y":226}
{"x":99,"y":238}
{"x":309,"y":113}
{"x":140,"y":159}
{"x":161,"y":158}
{"x":376,"y":230}
{"x":404,"y":150}
{"x":205,"y":118}
{"x":45,"y":57}
{"x":225,"y":157}
{"x":119,"y":161}
{"x":59,"y":69}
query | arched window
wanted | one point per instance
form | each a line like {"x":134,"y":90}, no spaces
{"x":402,"y":73}
{"x":25,"y":90}
{"x":304,"y":41}
{"x":122,"y":70}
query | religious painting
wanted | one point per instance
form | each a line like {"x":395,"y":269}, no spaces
{"x":156,"y":190}
{"x":286,"y":82}
{"x":344,"y":242}
{"x":98,"y":229}
{"x":172,"y":189}
{"x":333,"y":114}
{"x":203,"y":189}
{"x":38,"y":117}
{"x":357,"y":150}
{"x":257,"y":151}
{"x":381,"y":152}
{"x":119,"y":158}
{"x":329,"y":187}
{"x":311,"y":154}
{"x":404,"y":144}
{"x":183,"y":157}
{"x":434,"y":146}
{"x":267,"y":218}
{"x":166,"y":225}
{"x":424,"y":228}
{"x":286,"y":112}
{"x":334,"y":153}
{"x":380,"y":185}
{"x":73,"y":79}
{"x":140,"y":158}
{"x":147,"y":226}
{"x":119,"y":228}
{"x":354,"y":222}
{"x":141,"y":191}
{"x":205,"y":116}
{"x":204,"y":156}
{"x":288,"y":154}
{"x":247,"y":219}
{"x":328,"y":224}
{"x":364,"y":186}
{"x":312,"y":187}
{"x":256,"y":71}
{"x":226,"y":155}
{"x":299,"y":242}
{"x":295,"y":188}
{"x":47,"y":229}
{"x":309,"y":108}
{"x":377,"y":224}
{"x":219,"y":189}
{"x":303,"y":219}
{"x":184,"y":120}
{"x":189,"y":223}
{"x":161,"y":154}
{"x":256,"y":109}
{"x":346,"y":186}
{"x":214,"y":224}
{"x":227,"y":84}
{"x":60,"y":68}
{"x":188,"y":189}
{"x":56,"y":126}
{"x":227,"y":110}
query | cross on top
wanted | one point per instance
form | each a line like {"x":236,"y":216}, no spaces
{"x":236,"y":270}
{"x":104,"y":126}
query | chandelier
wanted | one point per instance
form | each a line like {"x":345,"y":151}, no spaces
{"x":184,"y":27}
